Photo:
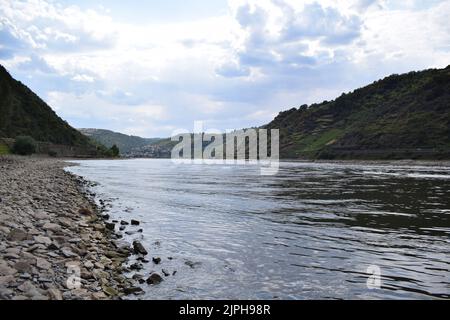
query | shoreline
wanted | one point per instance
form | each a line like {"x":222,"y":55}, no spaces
{"x":55,"y":243}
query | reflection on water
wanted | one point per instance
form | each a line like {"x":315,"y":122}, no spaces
{"x":309,"y":232}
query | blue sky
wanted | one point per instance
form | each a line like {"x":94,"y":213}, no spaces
{"x":152,"y":67}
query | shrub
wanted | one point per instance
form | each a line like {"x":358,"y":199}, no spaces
{"x":24,"y":146}
{"x":52,"y":153}
{"x":114,"y":151}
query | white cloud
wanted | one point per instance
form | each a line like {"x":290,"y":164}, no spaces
{"x":234,"y":70}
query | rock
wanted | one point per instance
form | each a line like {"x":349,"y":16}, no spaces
{"x":43,"y":264}
{"x":52,"y":227}
{"x":154,"y":279}
{"x":29,"y":289}
{"x":23,"y":266}
{"x":165,"y":272}
{"x":6,"y":280}
{"x":136,"y":266}
{"x":55,"y":294}
{"x":174,"y":273}
{"x":132,"y":290}
{"x":105,"y":216}
{"x":191,"y":264}
{"x":11,"y":256}
{"x":68,"y":253}
{"x":98,"y":296}
{"x":53,"y":246}
{"x":139,"y":248}
{"x":134,"y":222}
{"x":121,"y":228}
{"x":35,"y":247}
{"x":88,"y":265}
{"x":85,"y":212}
{"x":110,"y":226}
{"x":5,"y":293}
{"x":124,"y":223}
{"x":45,"y":280}
{"x":43,"y":240}
{"x":136,"y":276}
{"x":156,"y":260}
{"x":17,"y":235}
{"x":25,"y":276}
{"x":111,"y":254}
{"x":99,"y":265}
{"x":110,"y":291}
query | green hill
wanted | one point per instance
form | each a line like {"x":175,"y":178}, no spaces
{"x":401,"y":116}
{"x":23,"y":113}
{"x":124,"y":142}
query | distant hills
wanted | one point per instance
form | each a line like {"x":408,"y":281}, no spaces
{"x":24,"y":113}
{"x":131,"y":146}
{"x":124,"y":142}
{"x":400,"y":116}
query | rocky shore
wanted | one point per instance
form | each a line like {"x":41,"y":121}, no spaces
{"x":54,"y":242}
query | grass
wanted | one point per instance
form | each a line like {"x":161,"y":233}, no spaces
{"x":4,"y":149}
{"x":315,"y":143}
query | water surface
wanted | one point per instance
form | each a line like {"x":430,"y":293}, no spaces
{"x":309,"y":232}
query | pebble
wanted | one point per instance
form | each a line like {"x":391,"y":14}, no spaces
{"x":47,"y":221}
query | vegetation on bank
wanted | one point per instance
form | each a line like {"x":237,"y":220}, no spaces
{"x":23,"y":113}
{"x":4,"y":149}
{"x":124,"y":142}
{"x":401,"y":116}
{"x":24,"y":146}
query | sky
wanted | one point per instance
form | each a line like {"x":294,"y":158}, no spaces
{"x":149,"y":68}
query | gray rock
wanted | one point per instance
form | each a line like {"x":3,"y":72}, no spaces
{"x":43,"y":240}
{"x":52,"y":227}
{"x":17,"y":235}
{"x":139,"y":248}
{"x":110,"y":226}
{"x":55,"y":294}
{"x":132,"y":290}
{"x":154,"y":279}
{"x":165,"y":272}
{"x":23,"y":266}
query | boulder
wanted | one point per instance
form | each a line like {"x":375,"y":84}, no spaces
{"x":154,"y":279}
{"x":139,"y":248}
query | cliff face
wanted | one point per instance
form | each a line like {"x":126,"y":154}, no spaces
{"x":23,"y":113}
{"x":401,"y":116}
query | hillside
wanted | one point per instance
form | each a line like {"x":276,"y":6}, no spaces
{"x":401,"y":116}
{"x":24,"y":113}
{"x":124,"y":142}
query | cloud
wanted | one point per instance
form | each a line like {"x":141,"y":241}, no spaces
{"x":48,"y":27}
{"x":232,"y":70}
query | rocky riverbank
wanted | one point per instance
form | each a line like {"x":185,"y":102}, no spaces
{"x":54,"y":243}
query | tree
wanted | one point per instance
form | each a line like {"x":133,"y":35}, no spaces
{"x":115,"y":151}
{"x":24,"y":145}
